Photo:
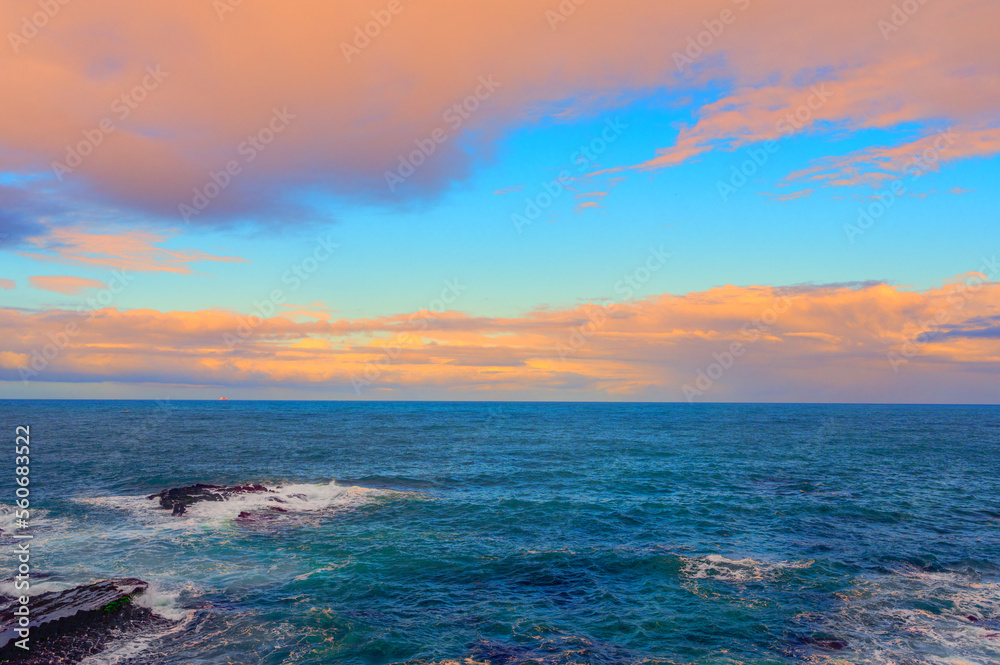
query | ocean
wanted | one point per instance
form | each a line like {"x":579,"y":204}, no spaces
{"x":508,"y":533}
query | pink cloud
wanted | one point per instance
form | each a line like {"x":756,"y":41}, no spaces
{"x":7,"y":284}
{"x":355,"y":116}
{"x":874,"y":166}
{"x":70,"y":286}
{"x":131,"y":249}
{"x":802,"y":193}
{"x":509,"y":190}
{"x":749,"y":115}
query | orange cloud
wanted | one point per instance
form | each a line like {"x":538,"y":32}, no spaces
{"x":316,"y":310}
{"x":595,"y":202}
{"x":10,"y":360}
{"x":357,"y":111}
{"x":872,"y":166}
{"x":822,"y":343}
{"x":509,"y":190}
{"x":133,"y":249}
{"x":7,"y":284}
{"x":750,"y":115}
{"x":852,"y":99}
{"x":71,"y":286}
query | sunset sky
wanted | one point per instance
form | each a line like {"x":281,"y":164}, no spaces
{"x":733,"y":200}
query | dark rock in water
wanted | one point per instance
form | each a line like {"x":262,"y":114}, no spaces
{"x":562,"y":649}
{"x":829,"y":643}
{"x":984,"y":622}
{"x":247,"y":516}
{"x":67,"y":626}
{"x":498,"y":653}
{"x":178,"y":499}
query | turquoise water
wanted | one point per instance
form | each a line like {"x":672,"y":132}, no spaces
{"x":541,"y":533}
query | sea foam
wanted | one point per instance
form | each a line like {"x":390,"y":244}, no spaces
{"x":718,"y":567}
{"x":280,"y":499}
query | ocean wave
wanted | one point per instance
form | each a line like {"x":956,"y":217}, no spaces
{"x":163,"y":602}
{"x":8,"y":520}
{"x":157,"y":599}
{"x":277,"y":501}
{"x":391,"y":483}
{"x":8,"y":590}
{"x":718,"y":567}
{"x":324,"y":569}
{"x":127,"y":649}
{"x":911,"y":616}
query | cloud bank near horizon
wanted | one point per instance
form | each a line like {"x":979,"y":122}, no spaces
{"x":848,"y":342}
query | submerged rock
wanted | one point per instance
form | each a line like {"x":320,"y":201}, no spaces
{"x":67,"y":626}
{"x":268,"y":514}
{"x":822,"y":641}
{"x":831,"y":644}
{"x":178,"y":499}
{"x":985,"y":623}
{"x":561,"y":649}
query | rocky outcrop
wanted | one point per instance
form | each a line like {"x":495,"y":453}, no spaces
{"x":67,"y":626}
{"x":178,"y":499}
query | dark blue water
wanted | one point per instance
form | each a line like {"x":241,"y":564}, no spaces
{"x":542,"y":533}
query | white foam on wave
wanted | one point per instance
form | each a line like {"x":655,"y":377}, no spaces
{"x":8,"y":518}
{"x":35,"y":588}
{"x":718,"y":567}
{"x":324,"y":569}
{"x":914,"y":616}
{"x":280,"y":500}
{"x":126,"y":649}
{"x":163,"y":603}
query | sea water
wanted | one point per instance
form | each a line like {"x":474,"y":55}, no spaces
{"x":508,"y":533}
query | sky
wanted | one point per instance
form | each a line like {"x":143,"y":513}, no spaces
{"x":732,"y":200}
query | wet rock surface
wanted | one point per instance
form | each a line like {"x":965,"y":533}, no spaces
{"x":67,"y":626}
{"x":178,"y":499}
